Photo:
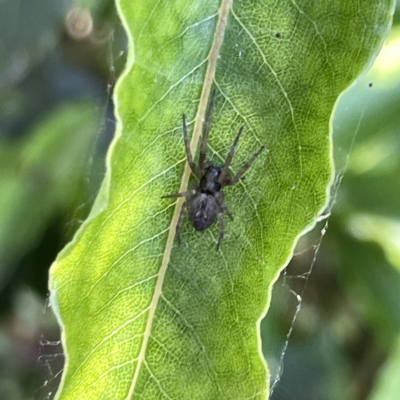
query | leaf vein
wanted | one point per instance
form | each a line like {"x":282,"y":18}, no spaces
{"x":283,"y":90}
{"x":198,"y":339}
{"x":157,"y":381}
{"x":109,"y":336}
{"x":117,"y":208}
{"x":116,"y":262}
{"x":105,"y":373}
{"x":143,"y":118}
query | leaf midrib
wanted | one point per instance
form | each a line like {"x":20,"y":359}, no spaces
{"x":208,"y":80}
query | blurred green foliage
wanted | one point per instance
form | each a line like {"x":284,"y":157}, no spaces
{"x":55,"y":115}
{"x":42,"y":175}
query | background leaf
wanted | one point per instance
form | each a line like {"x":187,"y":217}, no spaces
{"x":388,"y":384}
{"x":51,"y":160}
{"x":20,"y":28}
{"x":181,"y":322}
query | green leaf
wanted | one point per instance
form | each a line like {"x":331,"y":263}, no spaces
{"x":143,"y":317}
{"x":371,"y":279}
{"x":50,"y":162}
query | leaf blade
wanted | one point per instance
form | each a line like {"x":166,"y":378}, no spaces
{"x":184,"y":326}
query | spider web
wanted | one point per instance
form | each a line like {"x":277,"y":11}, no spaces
{"x":292,"y":284}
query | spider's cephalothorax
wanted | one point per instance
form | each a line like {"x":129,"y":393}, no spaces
{"x":206,"y":200}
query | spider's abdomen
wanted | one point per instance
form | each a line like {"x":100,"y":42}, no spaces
{"x":203,"y":211}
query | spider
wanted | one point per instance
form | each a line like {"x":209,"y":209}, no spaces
{"x":206,"y":200}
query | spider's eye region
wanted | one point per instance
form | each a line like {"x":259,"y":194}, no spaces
{"x":213,"y":172}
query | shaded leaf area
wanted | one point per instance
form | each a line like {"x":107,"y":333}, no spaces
{"x":42,"y":175}
{"x":143,"y":317}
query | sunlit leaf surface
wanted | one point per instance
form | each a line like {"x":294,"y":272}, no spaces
{"x":142,"y":317}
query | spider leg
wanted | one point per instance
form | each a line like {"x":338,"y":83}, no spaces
{"x":195,"y":169}
{"x":182,"y":194}
{"x":225,"y":168}
{"x":221,"y":228}
{"x":245,"y":167}
{"x":206,"y":131}
{"x":180,"y":221}
{"x":226,"y":210}
{"x":219,"y":197}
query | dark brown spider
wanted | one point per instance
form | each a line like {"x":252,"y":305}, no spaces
{"x":207,"y":199}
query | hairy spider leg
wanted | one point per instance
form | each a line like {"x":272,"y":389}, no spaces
{"x":245,"y":167}
{"x":206,"y":131}
{"x":221,"y":229}
{"x":180,"y":221}
{"x":225,"y":168}
{"x":181,"y":194}
{"x":195,"y":169}
{"x":219,"y":197}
